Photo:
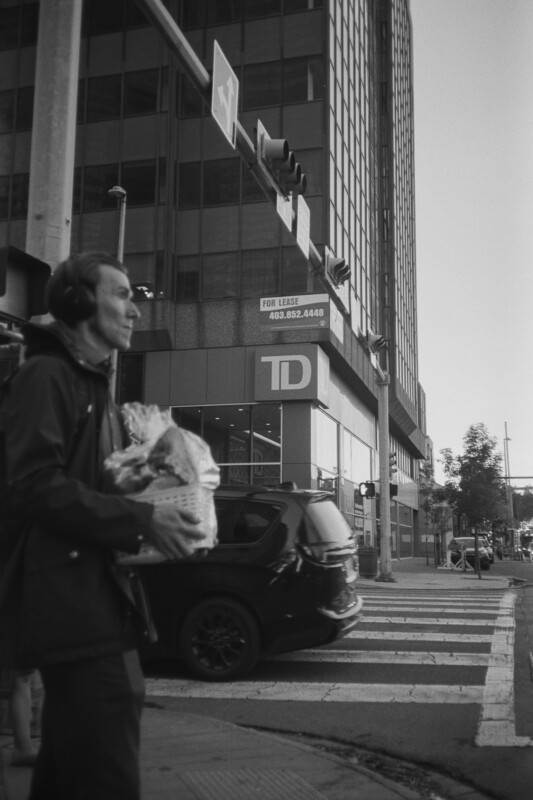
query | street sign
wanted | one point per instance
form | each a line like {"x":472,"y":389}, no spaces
{"x":284,"y":209}
{"x":225,"y":95}
{"x":303,"y":225}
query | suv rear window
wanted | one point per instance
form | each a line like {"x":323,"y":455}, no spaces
{"x":324,"y":523}
{"x":243,"y":522}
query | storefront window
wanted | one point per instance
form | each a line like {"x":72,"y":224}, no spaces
{"x":327,"y":451}
{"x":245,"y":440}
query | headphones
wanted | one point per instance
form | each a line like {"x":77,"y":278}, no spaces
{"x":78,"y":301}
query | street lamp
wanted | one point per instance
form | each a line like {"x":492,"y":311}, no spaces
{"x":121,"y":196}
{"x":373,"y":343}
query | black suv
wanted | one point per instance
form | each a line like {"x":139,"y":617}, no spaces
{"x":281,"y":578}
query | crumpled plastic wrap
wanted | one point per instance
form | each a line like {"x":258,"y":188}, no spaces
{"x":165,"y":464}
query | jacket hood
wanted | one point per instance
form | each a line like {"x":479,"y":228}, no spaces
{"x":56,"y":337}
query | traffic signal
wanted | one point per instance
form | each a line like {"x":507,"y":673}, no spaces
{"x":337,"y":269}
{"x":393,"y":490}
{"x":280,"y":163}
{"x":392,"y":465}
{"x":22,"y":283}
{"x":374,"y":341}
{"x":367,"y":489}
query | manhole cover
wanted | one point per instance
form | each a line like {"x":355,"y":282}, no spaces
{"x":248,"y":784}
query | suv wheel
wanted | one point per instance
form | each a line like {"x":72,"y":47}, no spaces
{"x":219,"y":640}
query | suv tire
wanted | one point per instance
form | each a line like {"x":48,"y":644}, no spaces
{"x":219,"y":640}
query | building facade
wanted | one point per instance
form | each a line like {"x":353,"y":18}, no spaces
{"x":250,"y":346}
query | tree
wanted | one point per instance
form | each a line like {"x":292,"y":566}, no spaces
{"x":475,"y":486}
{"x":523,"y":504}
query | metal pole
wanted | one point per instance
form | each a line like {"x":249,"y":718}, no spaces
{"x":508,"y":482}
{"x":385,"y":564}
{"x":122,"y":196}
{"x":53,"y":135}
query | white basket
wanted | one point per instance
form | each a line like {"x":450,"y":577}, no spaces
{"x":194,"y":498}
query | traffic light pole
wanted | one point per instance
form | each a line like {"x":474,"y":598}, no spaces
{"x":161,"y":18}
{"x":385,"y":563}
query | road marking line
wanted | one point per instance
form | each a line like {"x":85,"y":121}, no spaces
{"x":467,"y":623}
{"x":419,"y":636}
{"x":385,"y":657}
{"x":433,"y":609}
{"x":497,"y":723}
{"x":317,"y":692}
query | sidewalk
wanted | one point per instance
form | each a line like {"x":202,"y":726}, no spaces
{"x":190,"y":757}
{"x":416,"y":573}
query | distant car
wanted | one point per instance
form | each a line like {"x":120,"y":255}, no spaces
{"x":283,"y":577}
{"x":488,"y":547}
{"x":466,"y":544}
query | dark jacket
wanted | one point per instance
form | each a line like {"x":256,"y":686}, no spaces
{"x":74,"y":602}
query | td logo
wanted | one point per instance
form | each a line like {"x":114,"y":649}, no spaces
{"x":281,"y":372}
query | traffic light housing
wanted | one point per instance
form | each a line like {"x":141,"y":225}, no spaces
{"x":22,"y":283}
{"x":280,"y":163}
{"x":393,"y":490}
{"x":393,"y":469}
{"x":374,"y":341}
{"x":367,"y":489}
{"x":337,"y":269}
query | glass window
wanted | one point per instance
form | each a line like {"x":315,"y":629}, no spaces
{"x":294,"y":271}
{"x":103,"y":16}
{"x":9,"y":28}
{"x":187,"y":279}
{"x":190,"y":185}
{"x":262,"y":8}
{"x":24,"y":109}
{"x":4,"y":197}
{"x":260,"y":272}
{"x":251,"y":191}
{"x":262,"y":85}
{"x":220,"y":275}
{"x":96,"y":183}
{"x":29,"y":24}
{"x":191,"y":103}
{"x":135,"y":17}
{"x":220,"y":11}
{"x":140,"y":92}
{"x":104,"y":97}
{"x":303,"y":79}
{"x":221,"y":181}
{"x":193,"y":14}
{"x":130,"y":377}
{"x":327,"y":452}
{"x":245,"y":522}
{"x":7,"y":111}
{"x":140,"y":178}
{"x":289,"y":6}
{"x":19,"y":196}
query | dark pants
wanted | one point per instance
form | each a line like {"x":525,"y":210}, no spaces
{"x":90,"y":730}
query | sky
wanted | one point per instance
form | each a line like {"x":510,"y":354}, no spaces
{"x":473,"y":107}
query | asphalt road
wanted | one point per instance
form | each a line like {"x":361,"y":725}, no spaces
{"x":414,"y":689}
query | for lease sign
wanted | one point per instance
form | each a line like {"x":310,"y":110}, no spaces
{"x":294,"y":311}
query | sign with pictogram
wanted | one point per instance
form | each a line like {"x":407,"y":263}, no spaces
{"x":225,"y":95}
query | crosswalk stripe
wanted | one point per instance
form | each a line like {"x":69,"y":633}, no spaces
{"x":418,"y":636}
{"x":393,"y":620}
{"x":482,"y":612}
{"x":317,"y":692}
{"x":436,"y":659}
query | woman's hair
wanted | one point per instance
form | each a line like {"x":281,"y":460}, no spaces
{"x":70,"y":291}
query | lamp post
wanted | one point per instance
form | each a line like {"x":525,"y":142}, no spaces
{"x":121,"y":196}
